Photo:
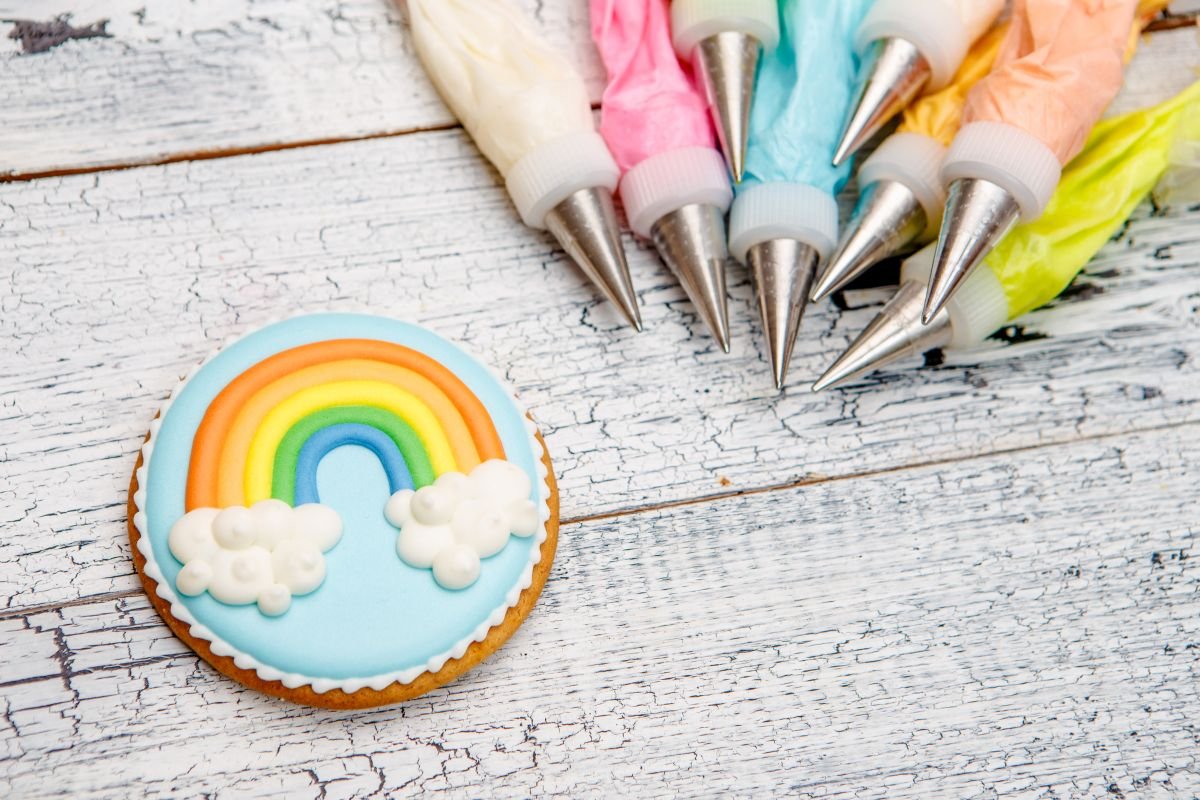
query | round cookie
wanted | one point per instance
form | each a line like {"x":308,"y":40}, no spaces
{"x":343,"y":510}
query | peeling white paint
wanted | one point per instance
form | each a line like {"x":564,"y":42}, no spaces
{"x":985,"y":586}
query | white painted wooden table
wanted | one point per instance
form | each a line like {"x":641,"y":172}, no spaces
{"x":972,"y":580}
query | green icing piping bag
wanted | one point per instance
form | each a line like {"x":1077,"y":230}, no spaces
{"x":1123,"y":160}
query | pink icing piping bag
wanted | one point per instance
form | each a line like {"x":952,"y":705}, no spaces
{"x":1058,"y":69}
{"x":674,"y":186}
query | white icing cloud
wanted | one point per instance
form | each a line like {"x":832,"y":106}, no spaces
{"x":264,"y":554}
{"x":461,"y":519}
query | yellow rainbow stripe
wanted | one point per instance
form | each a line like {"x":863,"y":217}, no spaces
{"x":237,"y":444}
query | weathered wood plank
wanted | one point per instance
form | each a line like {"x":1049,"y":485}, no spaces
{"x":1166,"y":62}
{"x":116,"y":283}
{"x":1024,"y":625}
{"x":176,"y":78}
{"x":171,"y":79}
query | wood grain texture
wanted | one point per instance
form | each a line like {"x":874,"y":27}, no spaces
{"x":121,"y":281}
{"x":975,"y":579}
{"x":1023,"y":625}
{"x":176,"y":80}
{"x":173,"y":79}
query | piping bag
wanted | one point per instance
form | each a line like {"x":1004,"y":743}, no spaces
{"x":784,"y":219}
{"x":909,"y":47}
{"x":675,"y":187}
{"x":901,"y":192}
{"x":528,"y":111}
{"x":1057,"y":70}
{"x":900,"y":186}
{"x":1124,"y":158}
{"x":724,"y":40}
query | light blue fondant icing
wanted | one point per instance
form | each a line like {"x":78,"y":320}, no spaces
{"x":374,"y":614}
{"x":325,"y":441}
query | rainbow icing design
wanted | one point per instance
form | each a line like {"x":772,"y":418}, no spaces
{"x":282,"y":465}
{"x":260,"y":423}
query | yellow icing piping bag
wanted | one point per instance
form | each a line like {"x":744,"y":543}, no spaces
{"x":674,"y":184}
{"x":901,"y":195}
{"x":909,"y":47}
{"x":1123,"y":159}
{"x":1057,"y":70}
{"x":528,"y":111}
{"x":723,"y":40}
{"x":1180,"y":186}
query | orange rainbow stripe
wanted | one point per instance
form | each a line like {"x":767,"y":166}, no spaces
{"x":238,"y":441}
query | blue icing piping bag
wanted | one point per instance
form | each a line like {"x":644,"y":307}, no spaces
{"x":784,"y":219}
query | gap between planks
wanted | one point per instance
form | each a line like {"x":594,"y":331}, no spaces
{"x":232,"y":152}
{"x":1190,"y":19}
{"x":813,"y":480}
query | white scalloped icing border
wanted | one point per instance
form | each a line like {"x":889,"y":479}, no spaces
{"x":293,"y":680}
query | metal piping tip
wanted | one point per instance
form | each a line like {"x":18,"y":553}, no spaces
{"x":727,"y":63}
{"x":896,"y":72}
{"x":691,"y":240}
{"x":585,"y":224}
{"x":783,"y":271}
{"x":895,"y":332}
{"x":886,"y":220}
{"x":978,"y":215}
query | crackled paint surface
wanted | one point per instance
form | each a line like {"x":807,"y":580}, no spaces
{"x":1014,"y":612}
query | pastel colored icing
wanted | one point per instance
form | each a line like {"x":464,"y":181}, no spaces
{"x":285,"y":479}
{"x":461,"y":519}
{"x":325,"y":441}
{"x":508,"y":87}
{"x":804,"y":89}
{"x":939,"y":115}
{"x":1057,"y":70}
{"x":976,"y":15}
{"x":1123,"y":159}
{"x":265,"y":554}
{"x":423,"y":389}
{"x":258,"y":471}
{"x":651,"y":104}
{"x":325,"y":421}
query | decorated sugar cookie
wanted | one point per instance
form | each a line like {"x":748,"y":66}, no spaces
{"x":343,"y":510}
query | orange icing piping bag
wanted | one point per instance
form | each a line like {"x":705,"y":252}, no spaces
{"x":1057,"y":70}
{"x":901,"y":195}
{"x":900,"y":188}
{"x":1124,"y":158}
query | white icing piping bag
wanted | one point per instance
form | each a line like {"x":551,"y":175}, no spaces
{"x":528,"y":111}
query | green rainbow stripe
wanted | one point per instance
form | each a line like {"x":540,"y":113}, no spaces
{"x":283,"y":476}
